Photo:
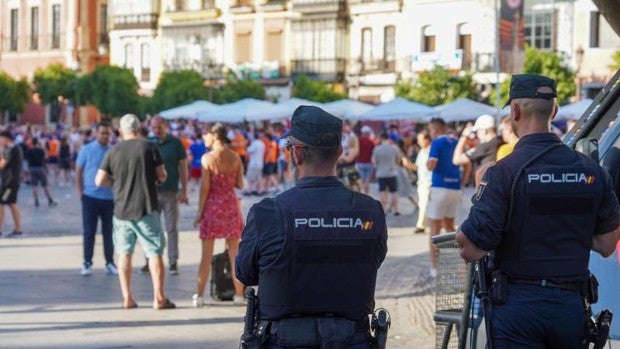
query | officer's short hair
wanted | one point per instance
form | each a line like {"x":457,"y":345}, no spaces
{"x":312,"y":155}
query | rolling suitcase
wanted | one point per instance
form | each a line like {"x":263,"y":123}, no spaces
{"x":222,"y":288}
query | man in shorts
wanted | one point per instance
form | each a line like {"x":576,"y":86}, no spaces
{"x":386,"y":159}
{"x":10,"y":170}
{"x":133,"y":168}
{"x":445,"y":194}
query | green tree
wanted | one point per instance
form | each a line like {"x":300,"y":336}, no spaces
{"x":437,"y":86}
{"x":111,"y":89}
{"x":15,"y":93}
{"x":53,"y":81}
{"x":504,"y":91}
{"x":176,"y":88}
{"x":616,"y":61}
{"x":551,"y":64}
{"x":236,"y":89}
{"x":316,"y":91}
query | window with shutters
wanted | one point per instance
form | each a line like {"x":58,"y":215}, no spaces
{"x":273,"y":45}
{"x":243,"y":48}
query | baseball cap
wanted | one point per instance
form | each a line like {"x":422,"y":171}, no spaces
{"x":366,"y":129}
{"x":6,"y":134}
{"x":484,"y":122}
{"x":314,"y":126}
{"x":527,"y":85}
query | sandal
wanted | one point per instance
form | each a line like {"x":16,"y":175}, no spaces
{"x":132,"y":305}
{"x":166,"y":305}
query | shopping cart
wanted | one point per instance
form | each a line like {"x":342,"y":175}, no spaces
{"x":453,"y":301}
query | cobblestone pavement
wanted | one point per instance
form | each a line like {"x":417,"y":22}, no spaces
{"x":46,"y":303}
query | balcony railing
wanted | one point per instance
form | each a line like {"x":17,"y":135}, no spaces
{"x":378,"y":66}
{"x":207,"y":5}
{"x":136,"y":21}
{"x":330,"y":69}
{"x":207,"y":70}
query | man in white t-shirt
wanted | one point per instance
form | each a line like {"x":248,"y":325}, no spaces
{"x":256,"y":154}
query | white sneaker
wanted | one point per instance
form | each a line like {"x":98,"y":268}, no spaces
{"x":198,"y":301}
{"x":110,"y":269}
{"x":239,"y":300}
{"x":432,"y":273}
{"x":86,"y":269}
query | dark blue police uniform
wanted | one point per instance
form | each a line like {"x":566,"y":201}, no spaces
{"x":561,"y":200}
{"x":314,"y":251}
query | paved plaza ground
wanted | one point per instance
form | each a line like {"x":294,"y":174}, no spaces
{"x":45,"y":303}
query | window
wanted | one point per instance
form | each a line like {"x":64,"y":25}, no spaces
{"x":56,"y":26}
{"x":145,"y":62}
{"x":464,"y":44}
{"x":366,"y":46}
{"x":243,"y":48}
{"x":595,"y":21}
{"x":14,"y":32}
{"x":273,"y":46}
{"x":178,"y":5}
{"x":389,"y":47}
{"x":428,"y":39}
{"x":34,"y":28}
{"x":129,"y":56}
{"x":103,"y":25}
{"x":538,"y":30}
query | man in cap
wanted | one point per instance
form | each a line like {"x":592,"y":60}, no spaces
{"x":541,"y":209}
{"x":11,"y":158}
{"x":314,"y":250}
{"x":133,"y":168}
{"x":485,"y":150}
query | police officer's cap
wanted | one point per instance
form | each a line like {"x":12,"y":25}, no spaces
{"x":527,"y":85}
{"x":314,"y":126}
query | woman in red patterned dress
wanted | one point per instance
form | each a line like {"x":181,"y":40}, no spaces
{"x":219,"y":211}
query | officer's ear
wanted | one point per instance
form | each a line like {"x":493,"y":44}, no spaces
{"x":340,"y":150}
{"x":516,"y":111}
{"x":554,"y":112}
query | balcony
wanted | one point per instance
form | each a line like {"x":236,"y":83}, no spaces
{"x":377,"y":66}
{"x":208,"y":70}
{"x":330,"y":69}
{"x":329,"y":6}
{"x":135,"y":21}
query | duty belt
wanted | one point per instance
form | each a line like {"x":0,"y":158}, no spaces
{"x":311,"y":331}
{"x":571,"y":286}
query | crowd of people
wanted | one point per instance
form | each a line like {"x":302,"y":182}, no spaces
{"x":427,"y":166}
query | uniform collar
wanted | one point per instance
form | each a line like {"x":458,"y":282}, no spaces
{"x":330,"y":181}
{"x":546,"y":137}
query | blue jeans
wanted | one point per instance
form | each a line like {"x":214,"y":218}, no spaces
{"x":92,"y":210}
{"x":539,"y":317}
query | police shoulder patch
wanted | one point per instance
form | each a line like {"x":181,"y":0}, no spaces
{"x":480,"y":190}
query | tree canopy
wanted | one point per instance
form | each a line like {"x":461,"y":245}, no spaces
{"x":53,"y":81}
{"x":176,"y":88}
{"x":111,"y":89}
{"x":551,"y":64}
{"x":316,"y":91}
{"x":15,"y":93}
{"x":236,"y":89}
{"x":437,"y":86}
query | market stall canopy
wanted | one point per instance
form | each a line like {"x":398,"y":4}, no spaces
{"x":188,"y":111}
{"x":293,"y":103}
{"x":400,"y":109}
{"x":573,"y":111}
{"x":463,"y":109}
{"x":248,"y":109}
{"x":349,"y":108}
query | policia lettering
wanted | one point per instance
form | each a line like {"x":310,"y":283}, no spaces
{"x":342,"y":222}
{"x":560,"y":178}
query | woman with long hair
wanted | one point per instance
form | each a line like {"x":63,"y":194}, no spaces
{"x":219,"y":211}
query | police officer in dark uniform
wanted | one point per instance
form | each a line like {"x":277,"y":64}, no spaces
{"x":314,"y":250}
{"x":541,"y":209}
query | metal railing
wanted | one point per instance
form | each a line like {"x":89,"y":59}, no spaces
{"x":323,"y":68}
{"x":453,"y":297}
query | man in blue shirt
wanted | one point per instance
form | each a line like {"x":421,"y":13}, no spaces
{"x":445,"y":194}
{"x":97,"y":202}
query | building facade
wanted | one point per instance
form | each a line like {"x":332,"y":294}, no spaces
{"x":36,"y":33}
